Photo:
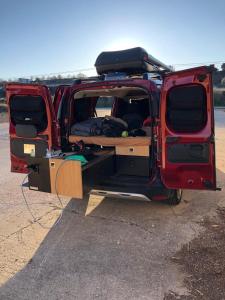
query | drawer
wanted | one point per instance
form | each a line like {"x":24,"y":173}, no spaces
{"x":64,"y":175}
{"x":68,"y":176}
{"x":132,"y":165}
{"x":133,"y":151}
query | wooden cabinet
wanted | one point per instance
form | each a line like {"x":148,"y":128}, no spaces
{"x":66,"y":177}
{"x":133,"y":160}
{"x":133,"y":150}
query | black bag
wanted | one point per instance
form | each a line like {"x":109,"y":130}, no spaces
{"x":113,"y":127}
{"x":108,"y":126}
{"x":89,"y":127}
{"x":134,"y":121}
{"x":137,"y":132}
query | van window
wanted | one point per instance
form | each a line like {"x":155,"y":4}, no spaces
{"x":130,"y":106}
{"x":28,"y":110}
{"x":186,"y":109}
{"x":104,"y":106}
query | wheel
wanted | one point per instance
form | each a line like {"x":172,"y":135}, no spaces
{"x":175,"y":197}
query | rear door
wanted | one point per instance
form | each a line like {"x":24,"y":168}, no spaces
{"x":187,"y":130}
{"x":33,"y":125}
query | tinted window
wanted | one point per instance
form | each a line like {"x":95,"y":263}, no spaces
{"x":28,"y":110}
{"x":186,"y":109}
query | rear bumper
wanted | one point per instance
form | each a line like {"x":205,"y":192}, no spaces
{"x":132,"y":187}
{"x":114,"y":194}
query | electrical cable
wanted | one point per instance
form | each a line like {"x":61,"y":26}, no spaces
{"x":34,"y":219}
{"x":55,"y":183}
{"x":25,"y":200}
{"x":56,"y":191}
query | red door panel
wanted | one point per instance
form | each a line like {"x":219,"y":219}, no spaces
{"x":30,"y":103}
{"x":187,"y":130}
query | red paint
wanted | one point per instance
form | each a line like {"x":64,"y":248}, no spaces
{"x":17,"y":164}
{"x":173,"y":175}
{"x":187,"y":175}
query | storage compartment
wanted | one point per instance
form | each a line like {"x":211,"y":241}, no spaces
{"x":68,"y":177}
{"x":132,"y":165}
{"x":133,"y":160}
{"x":132,"y":61}
{"x":133,"y":150}
{"x":23,"y":148}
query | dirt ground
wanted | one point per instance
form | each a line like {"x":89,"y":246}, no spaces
{"x":203,"y":261}
{"x":108,"y":248}
{"x":3,"y":113}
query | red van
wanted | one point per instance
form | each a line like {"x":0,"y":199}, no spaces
{"x":156,"y":140}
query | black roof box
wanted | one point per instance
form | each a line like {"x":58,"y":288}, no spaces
{"x":132,"y":61}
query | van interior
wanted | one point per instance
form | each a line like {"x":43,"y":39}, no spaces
{"x":110,"y":127}
{"x":115,"y":140}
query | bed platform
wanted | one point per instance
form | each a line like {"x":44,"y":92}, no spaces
{"x":112,"y":141}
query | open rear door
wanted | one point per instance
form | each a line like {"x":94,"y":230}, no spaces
{"x":33,"y":125}
{"x":187,"y":130}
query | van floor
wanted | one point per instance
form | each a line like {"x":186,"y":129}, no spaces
{"x":126,"y":180}
{"x":127,"y":184}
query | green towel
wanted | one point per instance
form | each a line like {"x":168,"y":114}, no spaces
{"x":80,"y":158}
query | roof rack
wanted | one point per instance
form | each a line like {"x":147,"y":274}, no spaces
{"x":120,"y":76}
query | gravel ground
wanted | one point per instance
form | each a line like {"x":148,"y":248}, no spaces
{"x":203,"y":261}
{"x":120,"y":249}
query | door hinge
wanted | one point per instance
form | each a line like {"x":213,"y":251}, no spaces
{"x":155,"y":137}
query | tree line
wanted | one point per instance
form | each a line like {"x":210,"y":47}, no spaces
{"x":54,"y":81}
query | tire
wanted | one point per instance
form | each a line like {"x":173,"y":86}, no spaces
{"x":175,"y":197}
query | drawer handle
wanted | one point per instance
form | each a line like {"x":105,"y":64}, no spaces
{"x":131,"y":149}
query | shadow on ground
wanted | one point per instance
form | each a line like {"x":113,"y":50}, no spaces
{"x":121,"y":250}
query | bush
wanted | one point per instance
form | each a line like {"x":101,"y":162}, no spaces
{"x":219,"y":98}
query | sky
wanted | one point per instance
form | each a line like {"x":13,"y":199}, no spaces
{"x":51,"y":36}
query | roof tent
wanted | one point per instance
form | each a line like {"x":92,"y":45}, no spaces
{"x":131,"y":61}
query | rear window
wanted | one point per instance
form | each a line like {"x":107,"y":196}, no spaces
{"x":186,"y":109}
{"x":28,"y":110}
{"x":104,"y":106}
